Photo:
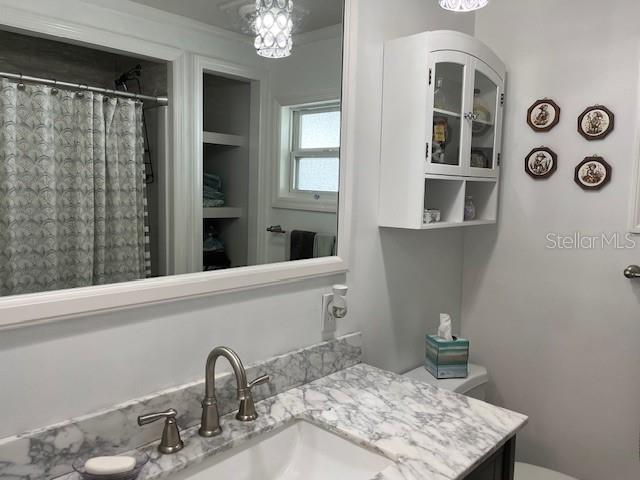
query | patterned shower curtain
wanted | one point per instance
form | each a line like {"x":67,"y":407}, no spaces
{"x":72,"y":189}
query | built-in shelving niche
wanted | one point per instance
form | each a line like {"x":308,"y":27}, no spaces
{"x":226,"y":124}
{"x":448,"y":194}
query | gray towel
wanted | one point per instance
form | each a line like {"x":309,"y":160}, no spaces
{"x":324,"y":245}
{"x":302,"y":243}
{"x":212,"y":194}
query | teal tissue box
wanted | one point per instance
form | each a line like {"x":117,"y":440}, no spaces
{"x":447,"y":358}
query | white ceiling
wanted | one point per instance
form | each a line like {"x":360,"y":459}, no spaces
{"x":311,"y":14}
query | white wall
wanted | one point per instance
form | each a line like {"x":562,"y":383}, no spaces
{"x":559,"y":329}
{"x":312,"y":72}
{"x":400,"y":280}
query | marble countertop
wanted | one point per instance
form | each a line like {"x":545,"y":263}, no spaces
{"x":427,"y":432}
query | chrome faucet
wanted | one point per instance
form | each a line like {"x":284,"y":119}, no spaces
{"x":210,"y":423}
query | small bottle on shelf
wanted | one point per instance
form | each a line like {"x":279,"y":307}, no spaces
{"x":440,"y":134}
{"x":469,"y":209}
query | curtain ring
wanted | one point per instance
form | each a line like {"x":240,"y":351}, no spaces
{"x":83,"y":88}
{"x":21,"y":85}
{"x":54,"y":89}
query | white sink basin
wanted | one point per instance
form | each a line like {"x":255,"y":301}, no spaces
{"x":299,"y":451}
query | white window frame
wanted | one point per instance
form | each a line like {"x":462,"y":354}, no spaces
{"x":297,"y":152}
{"x":287,"y":195}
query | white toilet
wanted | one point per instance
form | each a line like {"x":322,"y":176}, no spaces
{"x":475,"y":386}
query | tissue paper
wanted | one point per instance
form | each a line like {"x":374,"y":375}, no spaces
{"x":444,"y":331}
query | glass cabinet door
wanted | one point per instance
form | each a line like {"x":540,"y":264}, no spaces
{"x":448,"y":73}
{"x":485,"y":119}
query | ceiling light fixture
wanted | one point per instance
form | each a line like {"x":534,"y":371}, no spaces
{"x":463,"y":5}
{"x":274,"y":25}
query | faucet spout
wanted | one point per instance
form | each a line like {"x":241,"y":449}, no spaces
{"x":210,"y":421}
{"x":236,"y":365}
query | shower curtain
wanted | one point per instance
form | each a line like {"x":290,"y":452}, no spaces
{"x":72,"y":189}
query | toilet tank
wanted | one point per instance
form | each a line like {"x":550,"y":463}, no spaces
{"x":474,"y":386}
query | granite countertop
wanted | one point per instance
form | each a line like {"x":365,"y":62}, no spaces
{"x":428,"y":433}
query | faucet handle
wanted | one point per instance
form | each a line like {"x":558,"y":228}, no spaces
{"x":247,"y":409}
{"x":152,"y":417}
{"x":171,"y":441}
{"x":259,"y":381}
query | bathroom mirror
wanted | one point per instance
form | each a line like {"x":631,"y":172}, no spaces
{"x":105,"y":179}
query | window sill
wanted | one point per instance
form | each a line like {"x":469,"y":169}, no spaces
{"x":293,"y":203}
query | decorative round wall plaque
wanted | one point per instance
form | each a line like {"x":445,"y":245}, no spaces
{"x":593,"y":173}
{"x":543,"y":115}
{"x":596,"y":122}
{"x":541,"y":163}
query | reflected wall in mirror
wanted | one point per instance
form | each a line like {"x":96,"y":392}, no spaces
{"x":85,"y":171}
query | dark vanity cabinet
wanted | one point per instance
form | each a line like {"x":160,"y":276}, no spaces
{"x":499,"y":466}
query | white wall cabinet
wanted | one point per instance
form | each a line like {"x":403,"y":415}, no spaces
{"x":441,"y":130}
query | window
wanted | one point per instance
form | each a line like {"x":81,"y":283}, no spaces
{"x":315,"y":154}
{"x":310,"y":156}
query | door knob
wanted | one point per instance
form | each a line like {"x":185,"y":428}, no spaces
{"x":632,"y":271}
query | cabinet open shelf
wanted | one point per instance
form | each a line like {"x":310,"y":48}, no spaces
{"x":447,"y":193}
{"x":215,"y":138}
{"x":222,"y":212}
{"x":433,"y":176}
{"x":471,"y":223}
{"x":447,"y":196}
{"x":485,"y":199}
{"x":483,"y":122}
{"x":448,"y":113}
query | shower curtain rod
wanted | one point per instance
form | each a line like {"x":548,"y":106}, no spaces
{"x":162,"y":101}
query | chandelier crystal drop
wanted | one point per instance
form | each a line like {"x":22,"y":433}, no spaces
{"x":463,"y":5}
{"x":273,"y":27}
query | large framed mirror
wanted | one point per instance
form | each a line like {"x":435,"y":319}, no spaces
{"x":135,"y":172}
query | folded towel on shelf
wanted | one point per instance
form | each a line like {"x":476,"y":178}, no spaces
{"x":301,"y":244}
{"x":212,"y":195}
{"x":324,"y":245}
{"x":208,"y":192}
{"x":211,"y":203}
{"x":213,"y":181}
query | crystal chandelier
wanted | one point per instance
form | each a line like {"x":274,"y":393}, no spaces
{"x":273,"y":26}
{"x":463,"y":5}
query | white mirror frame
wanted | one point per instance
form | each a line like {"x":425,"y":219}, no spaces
{"x":85,"y":24}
